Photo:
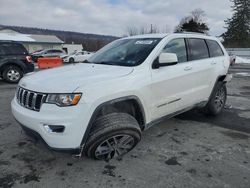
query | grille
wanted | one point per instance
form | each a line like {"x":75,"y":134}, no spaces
{"x":30,"y":99}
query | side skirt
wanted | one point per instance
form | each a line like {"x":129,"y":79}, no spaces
{"x":161,"y":119}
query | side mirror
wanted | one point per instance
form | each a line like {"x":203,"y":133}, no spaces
{"x":165,"y":59}
{"x":168,"y":58}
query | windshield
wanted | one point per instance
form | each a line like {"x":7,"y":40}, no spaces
{"x":125,"y":52}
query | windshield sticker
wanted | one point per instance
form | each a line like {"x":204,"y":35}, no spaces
{"x":144,"y":42}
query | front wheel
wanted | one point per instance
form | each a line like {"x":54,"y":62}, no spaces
{"x":112,"y":136}
{"x":217,"y":100}
{"x":12,"y":74}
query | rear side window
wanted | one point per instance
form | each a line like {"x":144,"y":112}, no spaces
{"x":214,"y":48}
{"x":12,"y":49}
{"x":50,"y":51}
{"x":198,"y":49}
{"x":178,"y":47}
{"x":56,"y":51}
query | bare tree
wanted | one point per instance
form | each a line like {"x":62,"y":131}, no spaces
{"x":143,"y":30}
{"x":154,"y":29}
{"x":133,"y":30}
{"x":198,"y":15}
{"x":165,"y":29}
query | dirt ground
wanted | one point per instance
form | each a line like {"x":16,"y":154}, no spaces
{"x":191,"y":150}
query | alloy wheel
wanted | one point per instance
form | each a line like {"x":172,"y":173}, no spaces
{"x":13,"y":75}
{"x":114,"y":146}
{"x":220,"y":99}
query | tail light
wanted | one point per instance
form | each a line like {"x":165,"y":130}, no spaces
{"x":29,"y":58}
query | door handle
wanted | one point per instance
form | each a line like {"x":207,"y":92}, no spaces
{"x":188,"y":68}
{"x":213,"y":63}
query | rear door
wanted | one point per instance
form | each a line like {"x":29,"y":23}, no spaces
{"x":203,"y":68}
{"x":77,"y":56}
{"x":13,"y":51}
{"x":82,"y":56}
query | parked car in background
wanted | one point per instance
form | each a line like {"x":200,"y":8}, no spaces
{"x":77,"y":57}
{"x":15,"y":61}
{"x":47,"y":53}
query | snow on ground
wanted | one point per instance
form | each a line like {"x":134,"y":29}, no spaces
{"x":241,"y":60}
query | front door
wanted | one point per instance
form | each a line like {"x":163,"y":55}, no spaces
{"x":172,"y":86}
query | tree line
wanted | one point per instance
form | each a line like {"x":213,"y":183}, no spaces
{"x":90,"y":42}
{"x":237,"y":27}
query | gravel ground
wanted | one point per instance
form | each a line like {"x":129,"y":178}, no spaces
{"x":190,"y":150}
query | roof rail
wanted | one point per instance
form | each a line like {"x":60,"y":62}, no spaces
{"x":191,"y":32}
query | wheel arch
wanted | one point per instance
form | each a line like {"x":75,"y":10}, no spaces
{"x":114,"y":105}
{"x":220,"y":78}
{"x":3,"y":66}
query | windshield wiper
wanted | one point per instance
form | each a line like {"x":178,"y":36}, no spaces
{"x":109,"y":63}
{"x":105,"y":63}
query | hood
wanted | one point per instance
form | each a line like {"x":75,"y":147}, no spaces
{"x":67,"y":78}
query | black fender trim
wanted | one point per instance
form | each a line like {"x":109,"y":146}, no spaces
{"x":220,"y":78}
{"x":16,"y":63}
{"x":95,"y":113}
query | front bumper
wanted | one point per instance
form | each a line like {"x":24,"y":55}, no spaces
{"x":74,"y":119}
{"x":30,"y":67}
{"x":36,"y":136}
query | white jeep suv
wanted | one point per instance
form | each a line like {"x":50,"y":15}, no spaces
{"x":101,"y":106}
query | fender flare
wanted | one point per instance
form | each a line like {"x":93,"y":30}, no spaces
{"x":221,"y":78}
{"x":16,"y":63}
{"x":95,"y":113}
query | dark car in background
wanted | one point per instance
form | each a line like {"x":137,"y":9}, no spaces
{"x":15,"y":61}
{"x":47,"y":53}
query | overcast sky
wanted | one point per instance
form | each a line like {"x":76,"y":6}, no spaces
{"x":110,"y":17}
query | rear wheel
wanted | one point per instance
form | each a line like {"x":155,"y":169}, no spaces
{"x":12,"y":74}
{"x":112,"y":136}
{"x":217,"y":100}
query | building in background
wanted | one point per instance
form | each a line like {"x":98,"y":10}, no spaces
{"x":70,"y":48}
{"x":32,"y":42}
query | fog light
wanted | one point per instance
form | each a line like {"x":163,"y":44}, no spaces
{"x":54,"y":128}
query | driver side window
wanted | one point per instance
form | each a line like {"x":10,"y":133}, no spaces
{"x":178,"y":47}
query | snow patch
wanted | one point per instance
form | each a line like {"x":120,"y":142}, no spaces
{"x":241,"y":60}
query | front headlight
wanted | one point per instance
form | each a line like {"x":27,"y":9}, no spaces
{"x":64,"y":99}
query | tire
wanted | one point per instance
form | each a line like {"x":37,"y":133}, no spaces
{"x":113,"y":134}
{"x":217,"y":100}
{"x":12,"y":74}
{"x":71,"y":60}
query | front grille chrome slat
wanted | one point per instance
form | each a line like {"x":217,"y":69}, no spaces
{"x":30,"y":99}
{"x":34,"y":101}
{"x":27,"y":100}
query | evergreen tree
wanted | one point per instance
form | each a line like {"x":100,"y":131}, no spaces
{"x":238,"y":27}
{"x":193,"y":23}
